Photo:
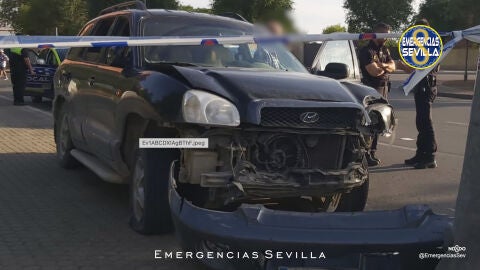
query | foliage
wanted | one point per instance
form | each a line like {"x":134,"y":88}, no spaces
{"x":334,"y":28}
{"x":192,"y":9}
{"x":448,"y":15}
{"x":66,"y":15}
{"x":362,"y":15}
{"x":9,"y":11}
{"x":95,"y":6}
{"x":42,"y":17}
{"x":256,"y":10}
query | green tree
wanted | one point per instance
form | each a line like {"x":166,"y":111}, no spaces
{"x":167,"y":4}
{"x":466,"y":13}
{"x":192,"y":9}
{"x":68,"y":16}
{"x":256,"y":10}
{"x":334,"y":28}
{"x":9,"y":11}
{"x":448,"y":15}
{"x":95,"y":6}
{"x":439,"y":13}
{"x":362,"y":15}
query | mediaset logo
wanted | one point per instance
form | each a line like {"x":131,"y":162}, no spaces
{"x":420,"y":47}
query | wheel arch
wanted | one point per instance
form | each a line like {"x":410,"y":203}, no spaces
{"x":137,"y":118}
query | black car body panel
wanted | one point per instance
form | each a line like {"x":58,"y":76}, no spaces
{"x":253,"y":228}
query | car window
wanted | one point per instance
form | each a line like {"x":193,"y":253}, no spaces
{"x":62,"y":53}
{"x":102,"y":28}
{"x":33,"y":56}
{"x":77,"y":53}
{"x":336,"y":52}
{"x":265,"y":56}
{"x":50,"y":58}
{"x":118,"y":56}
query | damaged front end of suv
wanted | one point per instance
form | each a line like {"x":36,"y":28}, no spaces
{"x":285,"y":154}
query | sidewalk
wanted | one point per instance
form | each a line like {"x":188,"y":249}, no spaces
{"x":57,"y":219}
{"x":456,"y":89}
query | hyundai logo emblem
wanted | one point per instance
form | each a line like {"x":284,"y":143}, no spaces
{"x":309,"y":117}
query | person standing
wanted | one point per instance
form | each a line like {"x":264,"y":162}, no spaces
{"x":3,"y":64}
{"x":425,"y":93}
{"x":376,"y":64}
{"x":19,"y":64}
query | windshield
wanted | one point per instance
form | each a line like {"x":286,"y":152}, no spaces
{"x":62,"y":53}
{"x":267,"y":56}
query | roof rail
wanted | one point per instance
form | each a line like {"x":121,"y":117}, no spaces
{"x":122,"y":6}
{"x":233,"y":15}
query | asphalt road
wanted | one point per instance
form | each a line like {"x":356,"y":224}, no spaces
{"x":82,"y":221}
{"x":394,"y":184}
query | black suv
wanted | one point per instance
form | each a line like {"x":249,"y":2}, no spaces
{"x":278,"y":136}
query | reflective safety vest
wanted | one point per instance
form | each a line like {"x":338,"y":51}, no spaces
{"x":16,"y":51}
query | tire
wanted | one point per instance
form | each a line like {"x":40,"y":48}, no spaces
{"x":356,"y":200}
{"x":37,"y":99}
{"x":63,"y":141}
{"x":150,"y":210}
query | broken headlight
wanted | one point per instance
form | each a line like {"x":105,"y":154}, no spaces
{"x":204,"y":108}
{"x":383,"y":118}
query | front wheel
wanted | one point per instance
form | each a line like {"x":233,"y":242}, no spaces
{"x":149,"y":191}
{"x":356,"y":200}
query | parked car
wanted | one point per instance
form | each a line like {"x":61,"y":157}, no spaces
{"x":45,"y":63}
{"x":278,"y":135}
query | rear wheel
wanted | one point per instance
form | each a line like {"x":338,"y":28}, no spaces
{"x":149,"y":191}
{"x":63,"y":141}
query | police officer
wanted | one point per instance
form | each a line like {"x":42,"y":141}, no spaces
{"x":376,"y":65}
{"x":19,"y":64}
{"x":425,"y":93}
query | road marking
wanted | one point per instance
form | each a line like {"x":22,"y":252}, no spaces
{"x":49,"y":114}
{"x":407,"y":139}
{"x":415,"y":149}
{"x":458,"y":124}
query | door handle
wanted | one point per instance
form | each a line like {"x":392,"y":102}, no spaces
{"x":91,"y":81}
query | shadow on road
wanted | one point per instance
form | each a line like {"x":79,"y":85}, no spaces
{"x":391,"y":168}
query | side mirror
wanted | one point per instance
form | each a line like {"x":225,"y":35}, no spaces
{"x":336,"y":71}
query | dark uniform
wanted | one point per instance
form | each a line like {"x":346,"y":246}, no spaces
{"x":369,"y":54}
{"x":18,"y":71}
{"x":425,"y":94}
{"x":373,"y":53}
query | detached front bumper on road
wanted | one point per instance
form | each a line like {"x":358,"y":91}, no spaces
{"x":409,"y":230}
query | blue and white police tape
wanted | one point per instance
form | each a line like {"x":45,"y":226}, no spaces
{"x":107,"y":41}
{"x":472,"y":34}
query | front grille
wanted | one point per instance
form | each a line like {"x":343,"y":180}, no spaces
{"x":326,"y":118}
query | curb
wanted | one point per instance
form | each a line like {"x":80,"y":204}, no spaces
{"x":456,"y":95}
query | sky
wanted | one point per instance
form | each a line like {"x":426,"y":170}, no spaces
{"x":310,"y":16}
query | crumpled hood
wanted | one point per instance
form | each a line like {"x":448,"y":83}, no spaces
{"x":242,"y":86}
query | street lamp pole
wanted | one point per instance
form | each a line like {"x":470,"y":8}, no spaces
{"x":465,"y":75}
{"x":467,"y":216}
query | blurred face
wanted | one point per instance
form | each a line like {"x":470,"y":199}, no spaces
{"x":381,"y":41}
{"x":275,"y":28}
